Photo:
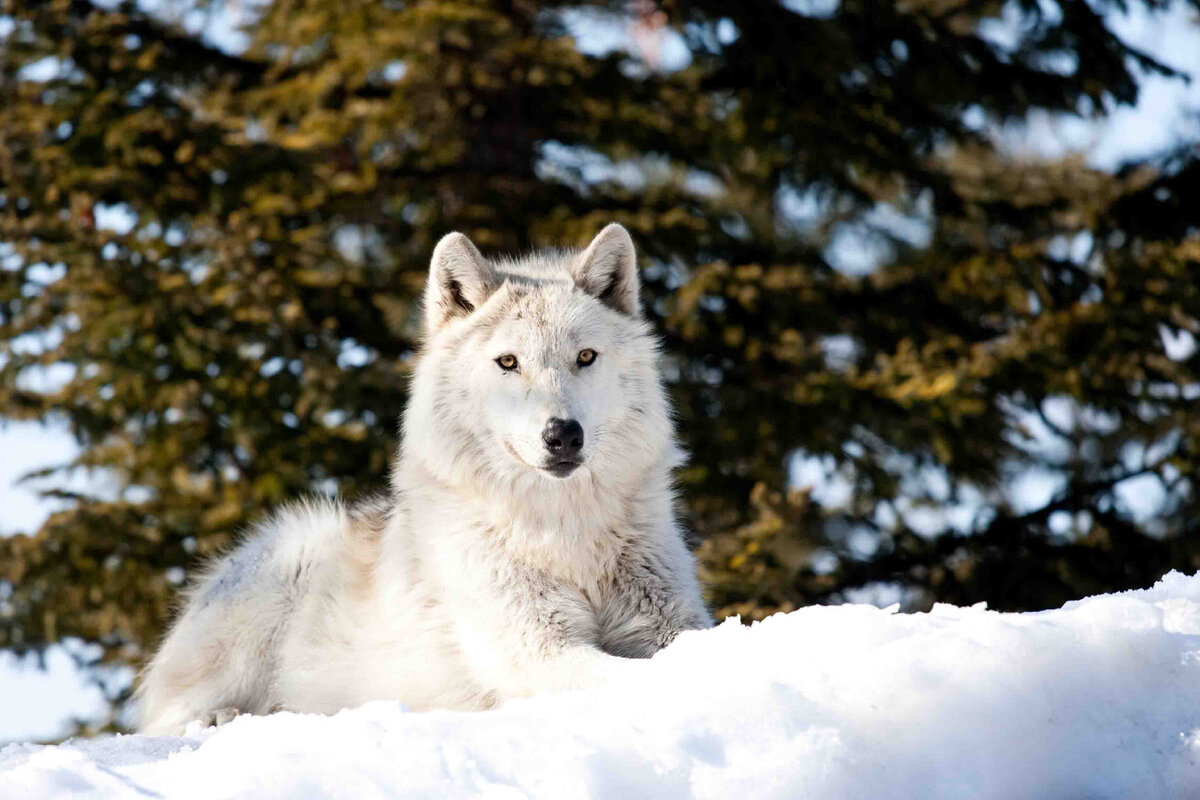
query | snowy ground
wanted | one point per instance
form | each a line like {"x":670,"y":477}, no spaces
{"x":1100,"y":699}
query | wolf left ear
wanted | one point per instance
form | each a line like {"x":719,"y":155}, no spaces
{"x":460,"y":280}
{"x":608,"y":270}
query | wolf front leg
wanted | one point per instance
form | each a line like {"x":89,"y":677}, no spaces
{"x":530,"y":634}
{"x":651,"y":598}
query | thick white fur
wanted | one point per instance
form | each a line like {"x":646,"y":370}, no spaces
{"x":480,"y":576}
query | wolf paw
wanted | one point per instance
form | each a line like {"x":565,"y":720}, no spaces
{"x":219,"y":716}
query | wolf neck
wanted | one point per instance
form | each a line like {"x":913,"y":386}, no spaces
{"x":578,"y":521}
{"x":582,"y":501}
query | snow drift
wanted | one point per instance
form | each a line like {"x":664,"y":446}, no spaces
{"x":1100,"y":699}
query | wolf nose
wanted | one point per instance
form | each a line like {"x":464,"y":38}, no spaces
{"x":563,"y":437}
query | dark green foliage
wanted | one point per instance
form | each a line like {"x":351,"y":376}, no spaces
{"x":247,"y":340}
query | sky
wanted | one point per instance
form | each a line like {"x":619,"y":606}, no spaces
{"x":36,"y":704}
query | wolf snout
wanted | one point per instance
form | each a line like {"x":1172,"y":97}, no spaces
{"x":563,"y":438}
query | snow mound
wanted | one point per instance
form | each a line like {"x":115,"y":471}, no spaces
{"x":1100,"y":699}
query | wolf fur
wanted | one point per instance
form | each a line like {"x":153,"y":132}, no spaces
{"x":486,"y":572}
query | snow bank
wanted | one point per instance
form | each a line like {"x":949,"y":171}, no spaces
{"x":1100,"y":699}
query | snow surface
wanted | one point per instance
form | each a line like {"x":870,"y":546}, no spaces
{"x":1100,"y":699}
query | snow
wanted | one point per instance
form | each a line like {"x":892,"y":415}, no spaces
{"x":1099,"y":699}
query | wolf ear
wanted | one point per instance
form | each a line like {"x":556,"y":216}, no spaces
{"x":608,"y":270}
{"x":460,"y":280}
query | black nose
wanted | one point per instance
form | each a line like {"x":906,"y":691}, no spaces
{"x":563,"y":437}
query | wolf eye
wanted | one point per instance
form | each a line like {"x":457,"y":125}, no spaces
{"x":507,"y":362}
{"x":585,"y":358}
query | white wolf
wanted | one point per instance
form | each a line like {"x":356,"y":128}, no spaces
{"x":528,"y":543}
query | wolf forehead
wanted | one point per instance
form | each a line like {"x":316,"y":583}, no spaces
{"x":536,"y":285}
{"x":552,"y":283}
{"x":542,"y":325}
{"x":547,"y":267}
{"x":540,"y":291}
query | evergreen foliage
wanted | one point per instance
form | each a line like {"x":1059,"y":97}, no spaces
{"x":224,"y":246}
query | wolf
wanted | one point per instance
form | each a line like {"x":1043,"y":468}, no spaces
{"x":528,"y":542}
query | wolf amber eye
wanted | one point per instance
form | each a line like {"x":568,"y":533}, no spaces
{"x":586,"y":357}
{"x":508,"y":363}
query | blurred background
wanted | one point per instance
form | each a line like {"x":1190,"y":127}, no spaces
{"x":928,"y":274}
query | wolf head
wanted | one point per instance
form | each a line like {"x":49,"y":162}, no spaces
{"x":539,"y":369}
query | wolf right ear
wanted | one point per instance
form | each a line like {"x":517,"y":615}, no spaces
{"x":460,"y":280}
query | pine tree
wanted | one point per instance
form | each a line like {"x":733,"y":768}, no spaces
{"x":225,"y":245}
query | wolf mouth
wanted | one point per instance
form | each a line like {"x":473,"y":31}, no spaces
{"x":561,"y":469}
